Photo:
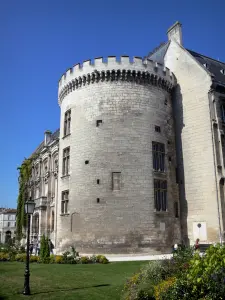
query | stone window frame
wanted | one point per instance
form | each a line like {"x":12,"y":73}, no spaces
{"x":158,"y":156}
{"x":66,"y":161}
{"x":160,"y":195}
{"x":67,"y":122}
{"x":116,"y":181}
{"x":64,"y":202}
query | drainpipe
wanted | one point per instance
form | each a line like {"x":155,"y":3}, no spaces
{"x":211,"y":99}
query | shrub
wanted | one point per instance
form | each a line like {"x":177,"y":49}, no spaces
{"x":84,"y":260}
{"x":93,"y":259}
{"x":34,"y":258}
{"x":4,"y":256}
{"x":52,"y":259}
{"x":58,"y":259}
{"x":20,"y":257}
{"x":101,"y":259}
{"x":44,"y":251}
{"x":162,"y":288}
{"x":203,"y":279}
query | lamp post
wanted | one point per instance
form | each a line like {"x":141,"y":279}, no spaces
{"x":29,"y":209}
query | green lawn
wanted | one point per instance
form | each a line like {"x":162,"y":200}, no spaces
{"x":82,"y":282}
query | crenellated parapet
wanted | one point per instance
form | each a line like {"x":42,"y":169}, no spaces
{"x":137,"y":70}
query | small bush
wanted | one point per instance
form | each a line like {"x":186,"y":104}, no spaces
{"x":58,"y":259}
{"x":34,"y":258}
{"x":101,"y":259}
{"x":52,"y":259}
{"x":162,"y":288}
{"x":4,"y":256}
{"x":44,"y":251}
{"x":84,"y":260}
{"x":93,"y":259}
{"x":21,"y":257}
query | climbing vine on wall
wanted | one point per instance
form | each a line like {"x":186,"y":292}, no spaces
{"x":24,"y":176}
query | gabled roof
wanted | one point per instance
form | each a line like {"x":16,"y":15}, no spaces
{"x":215,"y":67}
{"x":54,"y":136}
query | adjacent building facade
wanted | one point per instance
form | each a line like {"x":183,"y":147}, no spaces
{"x":138,"y":162}
{"x":7,"y":224}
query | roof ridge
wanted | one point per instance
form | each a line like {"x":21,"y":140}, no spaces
{"x":206,"y":56}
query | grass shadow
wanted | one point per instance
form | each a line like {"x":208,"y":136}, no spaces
{"x":71,"y":289}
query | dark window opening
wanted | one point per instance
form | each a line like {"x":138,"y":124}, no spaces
{"x":168,"y":142}
{"x":177,"y":176}
{"x":160,"y":194}
{"x":223,"y":112}
{"x":166,"y":102}
{"x":98,"y":122}
{"x":98,"y":181}
{"x":98,"y":200}
{"x":86,"y":162}
{"x":176,"y":210}
{"x":170,"y":159}
{"x":158,"y":153}
{"x":157,"y":129}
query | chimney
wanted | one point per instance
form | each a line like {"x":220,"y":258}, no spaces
{"x":48,"y":134}
{"x":175,"y":33}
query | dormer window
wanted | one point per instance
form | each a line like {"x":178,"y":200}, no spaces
{"x":222,"y":71}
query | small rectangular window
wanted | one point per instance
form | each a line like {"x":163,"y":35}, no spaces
{"x":116,"y":181}
{"x":98,"y":122}
{"x":176,"y":210}
{"x":66,"y":161}
{"x":64,"y":202}
{"x":98,"y":181}
{"x":8,"y":224}
{"x":177,"y":176}
{"x":160,"y":194}
{"x":158,"y":154}
{"x":157,"y":129}
{"x":67,"y":121}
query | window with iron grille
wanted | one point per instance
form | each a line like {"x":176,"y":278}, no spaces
{"x":67,"y":121}
{"x":160,"y":195}
{"x":158,"y":154}
{"x":66,"y":161}
{"x":64,"y":202}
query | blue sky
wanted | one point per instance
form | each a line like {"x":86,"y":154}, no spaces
{"x":41,"y":39}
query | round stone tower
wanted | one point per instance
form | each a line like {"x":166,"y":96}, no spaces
{"x":117,"y":190}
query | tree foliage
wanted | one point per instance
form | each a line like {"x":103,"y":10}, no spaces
{"x":24,"y":177}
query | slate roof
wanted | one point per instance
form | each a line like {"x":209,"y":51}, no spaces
{"x":212,"y":65}
{"x":54,"y":136}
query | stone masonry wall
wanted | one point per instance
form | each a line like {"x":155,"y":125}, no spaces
{"x":195,"y":146}
{"x":123,"y":221}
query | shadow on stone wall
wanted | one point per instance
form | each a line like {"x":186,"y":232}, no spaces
{"x":179,"y":125}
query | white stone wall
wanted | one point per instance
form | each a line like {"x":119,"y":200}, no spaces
{"x":194,"y":137}
{"x":123,"y":221}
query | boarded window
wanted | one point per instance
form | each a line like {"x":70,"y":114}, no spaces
{"x":116,"y":181}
